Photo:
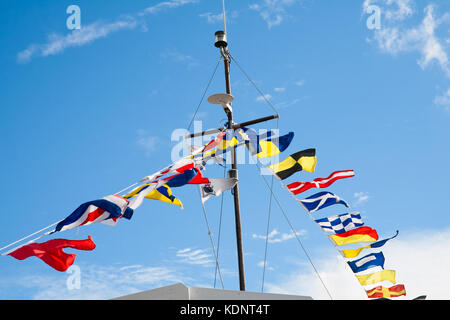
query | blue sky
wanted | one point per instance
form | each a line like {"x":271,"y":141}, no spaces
{"x":85,"y":113}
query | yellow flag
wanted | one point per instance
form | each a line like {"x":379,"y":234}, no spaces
{"x":353,"y":252}
{"x":163,"y":193}
{"x":303,"y":160}
{"x":384,"y":275}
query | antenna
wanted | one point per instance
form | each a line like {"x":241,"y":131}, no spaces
{"x":224,"y":17}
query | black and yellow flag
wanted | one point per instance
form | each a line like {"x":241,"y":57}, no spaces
{"x":302,"y":160}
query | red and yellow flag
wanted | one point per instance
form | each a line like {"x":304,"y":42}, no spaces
{"x":382,"y":292}
{"x":361,"y":234}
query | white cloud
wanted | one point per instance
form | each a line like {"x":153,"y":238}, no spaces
{"x":286,"y":104}
{"x":401,"y":10}
{"x":419,"y":259}
{"x":216,"y":18}
{"x":361,"y":197}
{"x":57,"y":43}
{"x":273,"y":12}
{"x":300,"y":83}
{"x":395,"y":38}
{"x":165,"y":5}
{"x":101,"y":282}
{"x":275,"y":237}
{"x":197,"y":257}
{"x":146,"y":141}
{"x":279,"y":89}
{"x":443,"y":101}
{"x":264,"y":98}
{"x":176,"y":56}
{"x":262,"y":263}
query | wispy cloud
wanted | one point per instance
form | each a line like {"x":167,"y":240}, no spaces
{"x":218,"y":18}
{"x":394,"y":37}
{"x":361,"y":197}
{"x":266,"y":263}
{"x":273,"y":12}
{"x":87,"y":34}
{"x":195,"y":256}
{"x":147,"y":141}
{"x":263,"y":98}
{"x":276,"y":237}
{"x":57,"y":43}
{"x":287,"y":104}
{"x":279,"y":89}
{"x":300,"y":83}
{"x":443,"y":101}
{"x":176,"y":56}
{"x":165,"y":5}
{"x":100,"y":282}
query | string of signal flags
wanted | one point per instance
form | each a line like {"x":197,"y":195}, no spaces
{"x":343,"y":229}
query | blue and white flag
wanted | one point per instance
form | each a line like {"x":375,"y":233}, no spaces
{"x":341,"y":223}
{"x":367,"y":262}
{"x":321,"y":200}
{"x":111,"y":207}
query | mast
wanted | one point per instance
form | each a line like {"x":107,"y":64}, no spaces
{"x":225,"y":99}
{"x":233,"y":173}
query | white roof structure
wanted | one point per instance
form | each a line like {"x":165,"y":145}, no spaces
{"x":181,"y":292}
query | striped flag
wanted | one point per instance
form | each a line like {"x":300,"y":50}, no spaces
{"x":370,"y":261}
{"x":178,"y":167}
{"x":361,"y":234}
{"x":341,"y":223}
{"x":321,"y":200}
{"x":382,"y":292}
{"x":352,"y":253}
{"x":299,"y":187}
{"x":110,"y":207}
{"x":302,"y":160}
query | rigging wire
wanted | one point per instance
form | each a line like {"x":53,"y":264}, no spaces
{"x":254,"y":84}
{"x":267,"y":237}
{"x":268,"y":223}
{"x":48,"y":227}
{"x":210,"y":238}
{"x":295,"y":233}
{"x":204,"y":93}
{"x":220,"y":226}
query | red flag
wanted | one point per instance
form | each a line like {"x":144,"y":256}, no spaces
{"x":52,"y":253}
{"x":361,"y":234}
{"x":198,"y":178}
{"x":382,"y":292}
{"x":215,"y":142}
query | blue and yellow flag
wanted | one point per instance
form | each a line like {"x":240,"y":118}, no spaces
{"x":163,"y":193}
{"x":267,"y":144}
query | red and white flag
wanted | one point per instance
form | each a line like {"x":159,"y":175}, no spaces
{"x":299,"y":187}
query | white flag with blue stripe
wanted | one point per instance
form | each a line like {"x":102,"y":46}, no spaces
{"x":321,"y":200}
{"x":341,"y":223}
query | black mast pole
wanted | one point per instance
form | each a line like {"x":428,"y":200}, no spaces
{"x":233,"y":173}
